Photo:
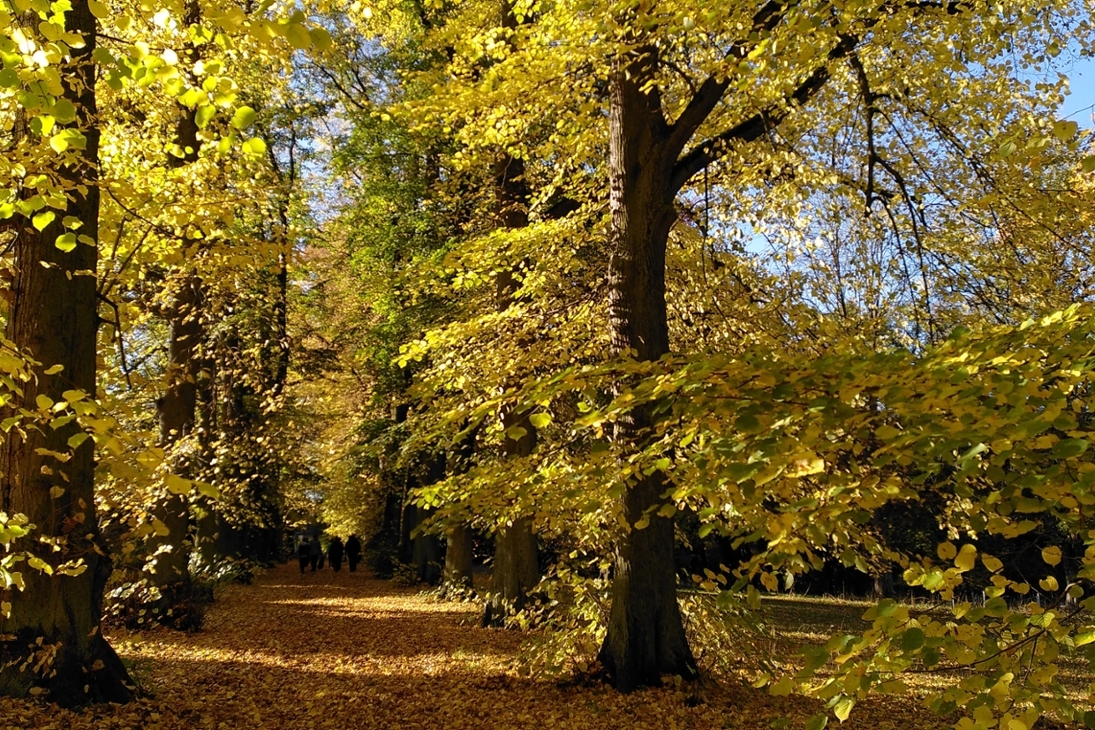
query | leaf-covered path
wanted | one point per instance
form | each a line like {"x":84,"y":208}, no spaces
{"x":341,"y":650}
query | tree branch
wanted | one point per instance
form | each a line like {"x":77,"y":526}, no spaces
{"x":755,"y":126}
{"x":711,"y":91}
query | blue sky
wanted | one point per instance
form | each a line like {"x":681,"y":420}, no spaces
{"x":1081,"y":102}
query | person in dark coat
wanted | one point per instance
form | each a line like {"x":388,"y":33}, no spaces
{"x":334,"y":553}
{"x":353,"y":552}
{"x":315,"y":552}
{"x":304,"y":551}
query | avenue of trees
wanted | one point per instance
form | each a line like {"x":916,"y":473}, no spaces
{"x":632,"y":301}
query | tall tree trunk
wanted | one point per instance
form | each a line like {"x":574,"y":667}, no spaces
{"x":53,"y":318}
{"x":645,"y":638}
{"x":458,"y":557}
{"x":206,"y":520}
{"x":515,"y":570}
{"x":426,"y":556}
{"x":458,"y":547}
{"x":177,"y":408}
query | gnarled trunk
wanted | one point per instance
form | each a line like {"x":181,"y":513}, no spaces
{"x":53,"y":318}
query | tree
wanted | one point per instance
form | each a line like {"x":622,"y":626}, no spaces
{"x":52,"y":639}
{"x":767,"y":91}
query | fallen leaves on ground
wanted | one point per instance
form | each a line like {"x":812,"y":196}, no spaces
{"x":342,"y":650}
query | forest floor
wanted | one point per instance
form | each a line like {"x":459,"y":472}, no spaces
{"x":343,"y":650}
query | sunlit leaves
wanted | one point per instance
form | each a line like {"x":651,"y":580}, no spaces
{"x":243,"y":118}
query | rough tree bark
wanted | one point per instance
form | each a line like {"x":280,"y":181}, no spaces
{"x":53,"y":319}
{"x":649,"y":162}
{"x":177,"y":408}
{"x":645,"y":638}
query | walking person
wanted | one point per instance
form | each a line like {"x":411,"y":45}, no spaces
{"x":304,"y":550}
{"x":334,"y":553}
{"x":315,"y":552}
{"x":353,"y":552}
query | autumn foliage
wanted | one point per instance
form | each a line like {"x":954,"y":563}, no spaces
{"x":614,"y":321}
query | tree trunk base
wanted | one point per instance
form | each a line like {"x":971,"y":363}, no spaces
{"x":83,"y":675}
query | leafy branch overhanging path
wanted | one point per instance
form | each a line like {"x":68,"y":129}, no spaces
{"x":346,"y":651}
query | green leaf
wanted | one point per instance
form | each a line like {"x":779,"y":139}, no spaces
{"x":1051,"y":554}
{"x":913,"y":639}
{"x":177,"y":485}
{"x":39,"y":564}
{"x":886,"y":432}
{"x":540,"y":420}
{"x":208,"y":490}
{"x":966,"y":558}
{"x":243,"y":118}
{"x":64,"y":111}
{"x":254,"y":146}
{"x":1069,"y":448}
{"x":843,"y":707}
{"x":783,"y":687}
{"x":1065,"y":130}
{"x":59,"y":142}
{"x":66,"y":242}
{"x":43,"y":219}
{"x":9,"y":79}
{"x":204,"y":115}
{"x":747,"y":423}
{"x":321,"y":39}
{"x":817,"y":722}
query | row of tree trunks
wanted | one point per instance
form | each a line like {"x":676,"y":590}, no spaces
{"x":53,"y":318}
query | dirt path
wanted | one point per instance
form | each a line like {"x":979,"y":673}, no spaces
{"x":340,"y":650}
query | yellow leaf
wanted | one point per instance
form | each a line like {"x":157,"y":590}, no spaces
{"x":966,"y":558}
{"x":1051,"y":554}
{"x":1049,"y":583}
{"x":39,"y":564}
{"x":208,"y":490}
{"x":946,"y":551}
{"x":178,"y":485}
{"x":298,"y":36}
